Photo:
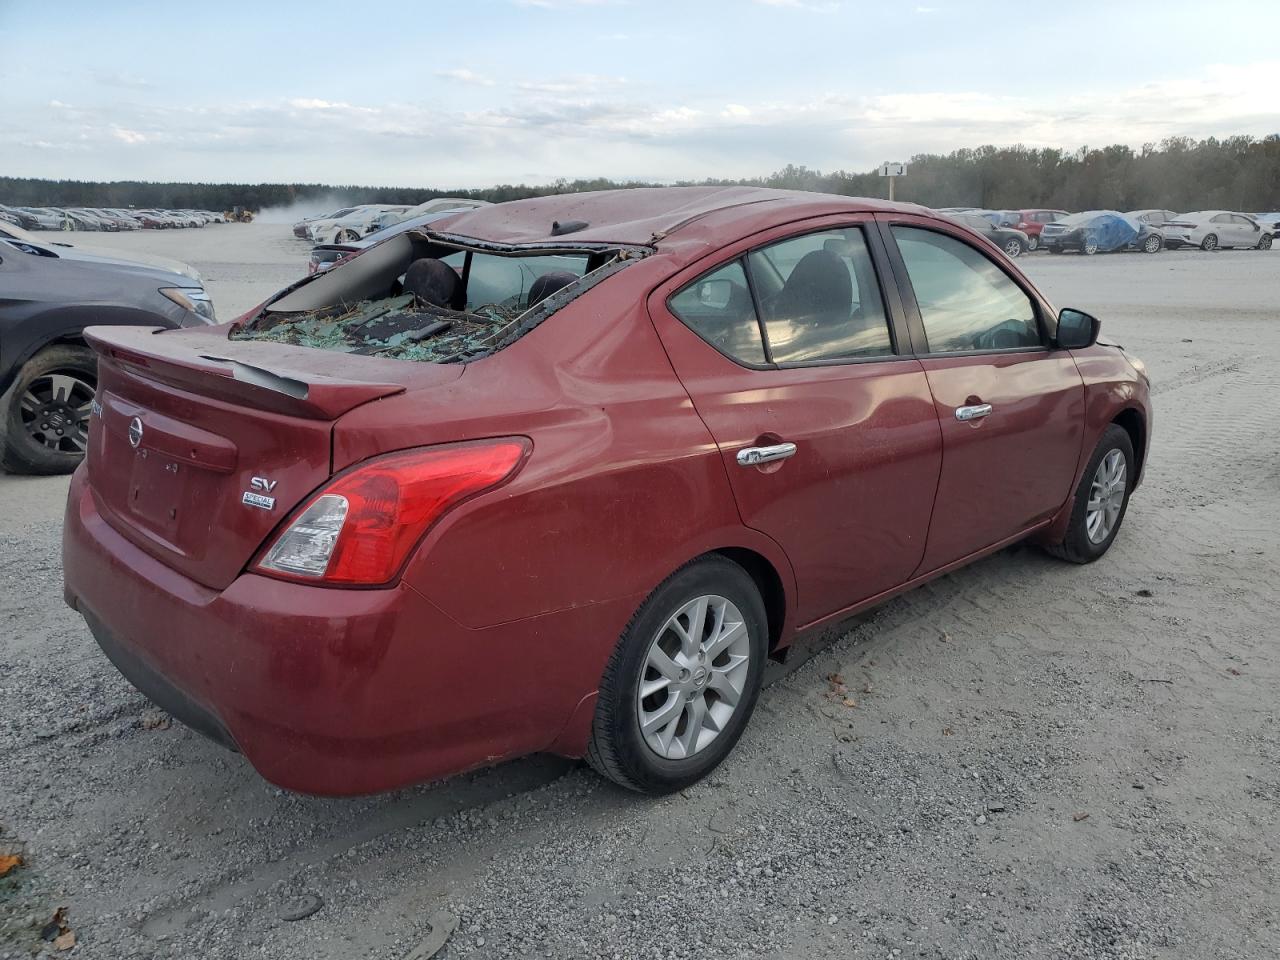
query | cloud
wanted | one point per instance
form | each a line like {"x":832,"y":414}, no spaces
{"x":111,"y":78}
{"x":463,"y":75}
{"x":128,"y":136}
{"x":580,"y":85}
{"x":810,"y":5}
{"x":588,"y":126}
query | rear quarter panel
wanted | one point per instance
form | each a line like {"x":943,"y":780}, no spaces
{"x":623,"y":486}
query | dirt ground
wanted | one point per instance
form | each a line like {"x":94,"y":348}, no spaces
{"x":1043,"y":760}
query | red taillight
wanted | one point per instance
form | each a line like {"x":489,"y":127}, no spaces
{"x":359,"y":529}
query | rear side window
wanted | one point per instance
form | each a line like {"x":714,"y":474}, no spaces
{"x":718,"y":308}
{"x":966,"y":302}
{"x":820,"y":298}
{"x":515,"y":283}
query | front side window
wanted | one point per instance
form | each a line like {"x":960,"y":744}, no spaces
{"x":966,"y":302}
{"x":718,"y":308}
{"x":819,"y":298}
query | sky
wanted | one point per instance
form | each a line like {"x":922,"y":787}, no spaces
{"x":473,"y":93}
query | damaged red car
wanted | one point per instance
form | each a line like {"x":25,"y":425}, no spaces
{"x":561,"y":474}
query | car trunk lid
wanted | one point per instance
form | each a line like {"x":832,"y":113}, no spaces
{"x":201,"y":446}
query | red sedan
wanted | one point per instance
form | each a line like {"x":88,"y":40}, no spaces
{"x":560,"y":474}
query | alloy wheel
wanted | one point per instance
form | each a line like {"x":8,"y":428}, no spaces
{"x":55,"y":411}
{"x":1013,"y":248}
{"x":1106,"y":496}
{"x":694,"y":677}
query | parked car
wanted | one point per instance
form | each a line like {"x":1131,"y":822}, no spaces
{"x":999,"y":218}
{"x":84,"y":220}
{"x":67,"y":251}
{"x":48,"y":218}
{"x":577,"y":515}
{"x":325,"y":256}
{"x":1031,"y":222}
{"x":1013,"y":242}
{"x":1151,"y":228}
{"x":356,"y":224}
{"x":1094,"y":231}
{"x":391,"y":217}
{"x":48,"y":375}
{"x":23,"y":218}
{"x":1214,"y":229}
{"x":300,"y":228}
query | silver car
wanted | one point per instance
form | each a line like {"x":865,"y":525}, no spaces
{"x":1214,"y":229}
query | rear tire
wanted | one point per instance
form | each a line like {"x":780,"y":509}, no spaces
{"x":1152,"y":244}
{"x":29,"y":437}
{"x":654,"y":650}
{"x":1033,"y":243}
{"x":1210,"y":242}
{"x":1085,"y":541}
{"x":1089,"y":248}
{"x":1014,"y":248}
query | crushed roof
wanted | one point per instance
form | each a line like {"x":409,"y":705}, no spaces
{"x":642,"y":215}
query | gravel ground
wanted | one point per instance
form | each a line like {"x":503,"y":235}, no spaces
{"x":1043,"y":760}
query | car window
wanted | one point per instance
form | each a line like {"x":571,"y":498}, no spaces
{"x":1242,"y":221}
{"x":718,"y":308}
{"x":507,"y":282}
{"x":1221,"y":218}
{"x":820,"y":298}
{"x":966,"y":302}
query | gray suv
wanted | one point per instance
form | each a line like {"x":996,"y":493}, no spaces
{"x":48,"y":295}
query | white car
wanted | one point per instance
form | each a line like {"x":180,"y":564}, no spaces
{"x":359,"y":222}
{"x":1214,"y":229}
{"x":390,"y":219}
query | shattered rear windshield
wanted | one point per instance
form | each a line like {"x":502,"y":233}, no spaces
{"x":414,"y":300}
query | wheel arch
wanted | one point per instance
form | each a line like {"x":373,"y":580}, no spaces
{"x":772,"y":591}
{"x":1133,"y":423}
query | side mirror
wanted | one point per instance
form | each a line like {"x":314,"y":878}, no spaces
{"x":1077,"y":329}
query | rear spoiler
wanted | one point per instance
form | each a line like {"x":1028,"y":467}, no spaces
{"x":295,"y":381}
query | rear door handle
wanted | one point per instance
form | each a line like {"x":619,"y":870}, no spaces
{"x":754,"y":456}
{"x":975,"y":412}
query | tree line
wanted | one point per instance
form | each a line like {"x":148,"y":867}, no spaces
{"x":1235,"y":173}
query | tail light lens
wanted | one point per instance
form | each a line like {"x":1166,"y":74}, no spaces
{"x":359,"y":529}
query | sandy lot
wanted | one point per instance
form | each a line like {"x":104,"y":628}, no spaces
{"x":1044,"y":760}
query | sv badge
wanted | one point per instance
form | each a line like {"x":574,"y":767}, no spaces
{"x":250,"y":498}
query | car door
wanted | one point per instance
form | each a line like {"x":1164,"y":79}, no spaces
{"x":1009,"y":405}
{"x":800,"y":367}
{"x":1247,"y":232}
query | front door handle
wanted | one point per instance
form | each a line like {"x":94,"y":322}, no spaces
{"x":975,"y":412}
{"x":754,"y":456}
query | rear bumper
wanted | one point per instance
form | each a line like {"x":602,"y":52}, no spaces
{"x":331,"y":691}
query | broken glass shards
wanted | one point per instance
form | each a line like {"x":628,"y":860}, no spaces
{"x":395,"y":327}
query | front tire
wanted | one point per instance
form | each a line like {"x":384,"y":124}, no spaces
{"x":1033,"y":243}
{"x":1264,"y":242}
{"x":44,"y":415}
{"x":1100,"y":500}
{"x":683,"y":681}
{"x":346,"y":236}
